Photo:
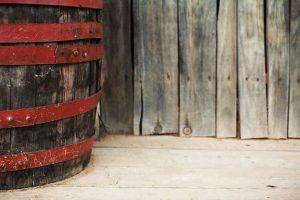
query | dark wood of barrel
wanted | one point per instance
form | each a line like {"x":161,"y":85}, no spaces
{"x":50,"y":54}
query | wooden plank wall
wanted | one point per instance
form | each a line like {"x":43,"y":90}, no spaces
{"x":278,"y":67}
{"x":294,"y":111}
{"x":224,"y":68}
{"x":252,"y":69}
{"x":197,"y":47}
{"x":117,"y":77}
{"x":227,"y":70}
{"x":155,"y":67}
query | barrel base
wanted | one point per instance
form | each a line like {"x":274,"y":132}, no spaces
{"x":43,"y":175}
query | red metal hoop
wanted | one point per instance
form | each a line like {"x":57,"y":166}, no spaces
{"x":94,"y":4}
{"x":43,"y":114}
{"x":32,"y":55}
{"x":22,"y":33}
{"x":21,"y":161}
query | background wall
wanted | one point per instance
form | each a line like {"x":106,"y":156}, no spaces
{"x":225,"y":68}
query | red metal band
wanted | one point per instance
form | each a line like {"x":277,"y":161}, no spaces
{"x":32,"y":55}
{"x":22,"y":33}
{"x":43,"y":114}
{"x":94,"y":4}
{"x":21,"y":161}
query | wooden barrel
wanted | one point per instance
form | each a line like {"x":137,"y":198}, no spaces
{"x":50,"y":53}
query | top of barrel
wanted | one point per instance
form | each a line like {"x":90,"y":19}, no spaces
{"x":93,"y":4}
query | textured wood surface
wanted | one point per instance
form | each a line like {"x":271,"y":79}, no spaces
{"x":251,"y":70}
{"x":278,"y":67}
{"x":165,"y":167}
{"x":227,"y":70}
{"x":197,"y":55}
{"x":294,"y":112}
{"x":117,"y":70}
{"x":46,"y":92}
{"x":204,"y":68}
{"x":30,"y":86}
{"x":155,"y":67}
{"x":4,"y":93}
{"x":22,"y":84}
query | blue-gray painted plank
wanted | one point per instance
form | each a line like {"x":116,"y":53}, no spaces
{"x":156,"y":67}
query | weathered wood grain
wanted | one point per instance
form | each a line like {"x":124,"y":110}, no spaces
{"x":117,"y":70}
{"x":94,"y":76}
{"x":134,"y":168}
{"x":294,"y":110}
{"x":251,"y":69}
{"x":39,"y":85}
{"x":22,"y":95}
{"x":46,"y":93}
{"x":278,"y":67}
{"x":197,"y":55}
{"x":5,"y":139}
{"x":227,"y":70}
{"x":155,"y":67}
{"x":4,"y":92}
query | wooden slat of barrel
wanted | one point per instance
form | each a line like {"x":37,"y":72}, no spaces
{"x":30,"y":86}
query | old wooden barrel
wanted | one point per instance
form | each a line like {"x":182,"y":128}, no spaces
{"x":50,"y":53}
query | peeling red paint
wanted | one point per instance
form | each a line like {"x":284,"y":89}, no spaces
{"x":21,"y":161}
{"x":94,"y":4}
{"x":22,"y":33}
{"x":32,"y":55}
{"x":43,"y":114}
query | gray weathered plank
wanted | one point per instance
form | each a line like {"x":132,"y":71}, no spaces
{"x":251,"y":69}
{"x":227,"y":70}
{"x":294,"y":112}
{"x":197,"y":52}
{"x":278,"y":67}
{"x":117,"y":70}
{"x":156,"y":67}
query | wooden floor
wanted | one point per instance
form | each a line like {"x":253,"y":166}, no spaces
{"x":167,"y":167}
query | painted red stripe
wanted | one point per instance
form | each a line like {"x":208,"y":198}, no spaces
{"x":32,"y":55}
{"x":43,"y":114}
{"x":22,"y":33}
{"x":94,"y":4}
{"x":21,"y":161}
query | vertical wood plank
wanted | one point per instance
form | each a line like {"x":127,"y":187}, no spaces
{"x":156,"y":67}
{"x":197,"y":51}
{"x":5,"y":140}
{"x":66,"y":93}
{"x":294,"y":110}
{"x":278,"y":67}
{"x":82,"y":85}
{"x":227,"y":70}
{"x":4,"y":105}
{"x":117,"y":70}
{"x":46,"y":87}
{"x":93,"y":79}
{"x":22,"y":90}
{"x":251,"y":69}
{"x":4,"y":92}
{"x":5,"y":179}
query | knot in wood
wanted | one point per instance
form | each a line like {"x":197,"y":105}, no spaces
{"x":187,"y":130}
